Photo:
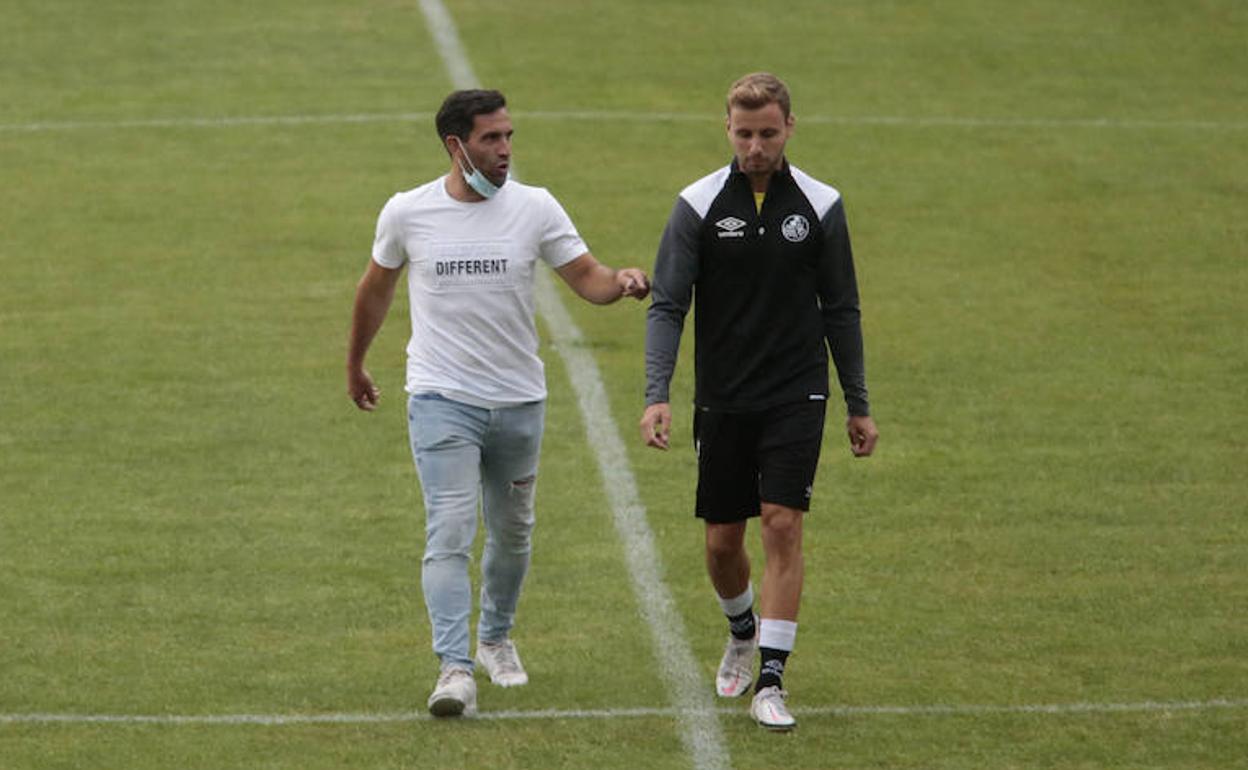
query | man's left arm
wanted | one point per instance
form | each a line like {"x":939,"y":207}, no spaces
{"x":842,"y":326}
{"x":600,"y":284}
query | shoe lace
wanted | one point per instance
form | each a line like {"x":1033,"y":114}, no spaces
{"x":739,"y":653}
{"x":450,"y":674}
{"x":504,"y":657}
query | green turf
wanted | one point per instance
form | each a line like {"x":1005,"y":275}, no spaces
{"x":1046,"y":203}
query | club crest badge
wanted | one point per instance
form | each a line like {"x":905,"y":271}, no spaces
{"x":795,"y":228}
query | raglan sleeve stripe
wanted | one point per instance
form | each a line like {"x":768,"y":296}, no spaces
{"x":842,"y":322}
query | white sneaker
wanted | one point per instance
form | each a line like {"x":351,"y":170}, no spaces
{"x":455,"y":694}
{"x":502,"y":663}
{"x":736,"y":668}
{"x":768,"y":709}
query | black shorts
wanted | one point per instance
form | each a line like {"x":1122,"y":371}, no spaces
{"x":747,"y":458}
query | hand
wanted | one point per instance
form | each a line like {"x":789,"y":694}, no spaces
{"x":862,"y":435}
{"x":633,"y":283}
{"x":362,"y":390}
{"x":656,"y":424}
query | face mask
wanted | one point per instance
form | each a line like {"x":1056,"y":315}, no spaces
{"x":473,"y":176}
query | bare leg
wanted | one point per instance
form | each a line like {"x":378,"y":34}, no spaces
{"x":727,"y":561}
{"x":784,"y":570}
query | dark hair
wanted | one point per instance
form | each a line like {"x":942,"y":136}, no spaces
{"x":459,"y":110}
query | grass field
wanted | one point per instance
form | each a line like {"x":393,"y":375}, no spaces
{"x":1047,"y":204}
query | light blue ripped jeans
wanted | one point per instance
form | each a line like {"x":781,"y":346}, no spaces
{"x":464,"y":454}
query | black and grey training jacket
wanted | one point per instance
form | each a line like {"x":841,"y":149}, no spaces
{"x":775,"y":290}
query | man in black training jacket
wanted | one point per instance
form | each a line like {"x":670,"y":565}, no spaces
{"x":765,"y":249}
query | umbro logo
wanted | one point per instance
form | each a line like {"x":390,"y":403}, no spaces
{"x":730,"y":227}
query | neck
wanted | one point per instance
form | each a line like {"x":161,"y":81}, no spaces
{"x":458,"y":189}
{"x":760,"y":179}
{"x":759,"y":182}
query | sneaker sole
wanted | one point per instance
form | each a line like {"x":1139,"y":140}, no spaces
{"x":447,"y":707}
{"x":497,"y":683}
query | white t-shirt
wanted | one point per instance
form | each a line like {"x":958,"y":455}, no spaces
{"x":470,"y":282}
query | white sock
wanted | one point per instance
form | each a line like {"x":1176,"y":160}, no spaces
{"x":777,"y":634}
{"x":737,"y":604}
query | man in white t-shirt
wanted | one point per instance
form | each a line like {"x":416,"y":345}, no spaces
{"x":471,"y":241}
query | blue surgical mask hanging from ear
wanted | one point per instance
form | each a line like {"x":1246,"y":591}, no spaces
{"x":473,"y":176}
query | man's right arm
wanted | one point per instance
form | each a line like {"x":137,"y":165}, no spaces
{"x":373,"y":296}
{"x":675,"y":271}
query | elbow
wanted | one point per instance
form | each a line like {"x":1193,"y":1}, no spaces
{"x":606,"y":298}
{"x":596,"y":295}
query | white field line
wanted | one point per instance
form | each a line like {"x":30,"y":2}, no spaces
{"x":446,"y":37}
{"x":619,"y":116}
{"x":700,"y":729}
{"x":217,"y":122}
{"x":278,"y":720}
{"x":697,"y":722}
